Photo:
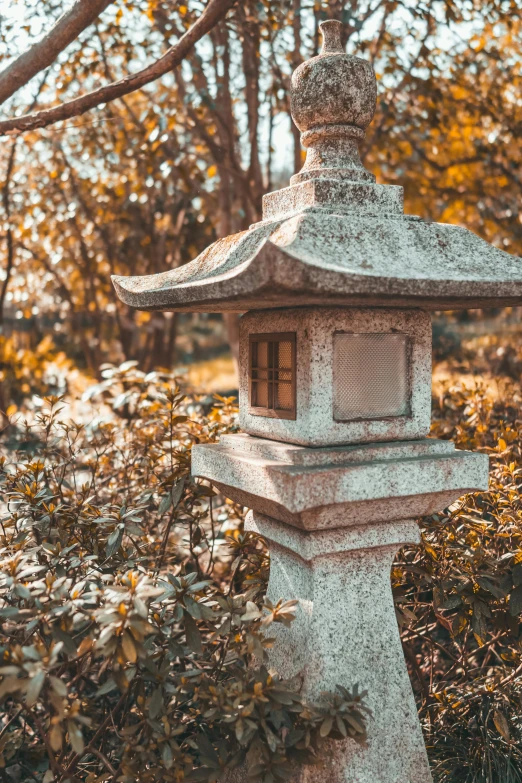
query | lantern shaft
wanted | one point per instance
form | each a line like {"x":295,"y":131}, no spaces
{"x":345,"y":633}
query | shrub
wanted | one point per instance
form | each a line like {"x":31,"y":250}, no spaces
{"x":24,"y":371}
{"x":134,"y":634}
{"x":135,"y":631}
{"x":459,"y":599}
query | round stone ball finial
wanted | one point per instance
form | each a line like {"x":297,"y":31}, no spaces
{"x":333,"y":98}
{"x":333,"y":88}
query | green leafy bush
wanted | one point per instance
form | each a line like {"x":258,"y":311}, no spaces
{"x":459,"y":600}
{"x":134,"y":627}
{"x":134,"y":632}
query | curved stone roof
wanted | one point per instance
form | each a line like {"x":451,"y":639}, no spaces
{"x":336,"y":259}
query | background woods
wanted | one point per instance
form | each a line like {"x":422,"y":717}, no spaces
{"x":133,"y":622}
{"x":146,"y":181}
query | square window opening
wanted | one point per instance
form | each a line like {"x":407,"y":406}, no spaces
{"x":371,"y":376}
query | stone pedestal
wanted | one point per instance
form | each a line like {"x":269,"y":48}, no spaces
{"x":345,"y":632}
{"x":334,"y":518}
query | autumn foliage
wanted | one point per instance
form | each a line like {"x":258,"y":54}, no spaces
{"x":133,"y":623}
{"x":148,"y":181}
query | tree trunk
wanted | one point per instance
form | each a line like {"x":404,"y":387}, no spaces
{"x":6,"y":203}
{"x":251,"y":45}
{"x":296,"y":60}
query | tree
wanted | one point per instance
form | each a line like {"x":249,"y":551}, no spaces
{"x":32,"y":62}
{"x":147,"y":181}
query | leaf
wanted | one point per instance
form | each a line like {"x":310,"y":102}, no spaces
{"x":359,"y":727}
{"x":156,"y":703}
{"x":206,"y":748}
{"x":35,"y":686}
{"x":114,"y":541}
{"x":488,"y":585}
{"x":517,"y":575}
{"x":271,"y":739}
{"x":129,"y":647}
{"x":121,"y":400}
{"x":58,"y":686}
{"x":340,"y":725}
{"x":75,"y":737}
{"x":85,"y":645}
{"x":9,"y":611}
{"x":166,"y":755}
{"x":192,"y":633}
{"x":164,"y":505}
{"x":459,"y":623}
{"x":107,"y":687}
{"x":479,"y":627}
{"x":56,"y":737}
{"x":501,"y":724}
{"x":22,"y":591}
{"x":451,"y":602}
{"x":192,"y":607}
{"x":67,"y":640}
{"x":515,"y":601}
{"x":177,"y":491}
{"x":326,"y":726}
{"x":141,"y":607}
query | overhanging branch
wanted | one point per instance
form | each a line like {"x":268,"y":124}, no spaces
{"x":77,"y":18}
{"x":215,"y":11}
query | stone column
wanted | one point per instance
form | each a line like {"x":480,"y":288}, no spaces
{"x":345,"y":632}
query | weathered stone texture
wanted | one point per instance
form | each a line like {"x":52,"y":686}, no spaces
{"x":333,"y":197}
{"x":332,"y":256}
{"x":333,"y":88}
{"x":325,"y":489}
{"x":345,"y":633}
{"x":336,"y":518}
{"x":315,"y":327}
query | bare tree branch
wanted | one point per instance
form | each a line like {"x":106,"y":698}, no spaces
{"x":215,"y":11}
{"x":80,"y":15}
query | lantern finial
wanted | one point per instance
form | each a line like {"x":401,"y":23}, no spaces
{"x":333,"y":100}
{"x":331,"y":30}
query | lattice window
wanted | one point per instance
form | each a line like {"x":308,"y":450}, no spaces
{"x":272,"y":375}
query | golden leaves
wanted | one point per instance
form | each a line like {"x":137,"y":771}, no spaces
{"x":502,"y":725}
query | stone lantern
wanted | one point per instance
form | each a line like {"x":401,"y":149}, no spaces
{"x":336,"y":284}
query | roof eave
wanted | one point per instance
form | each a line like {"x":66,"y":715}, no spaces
{"x":274,"y":279}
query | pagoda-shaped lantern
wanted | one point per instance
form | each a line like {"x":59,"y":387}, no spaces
{"x":335,"y":381}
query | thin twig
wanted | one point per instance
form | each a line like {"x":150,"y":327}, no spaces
{"x":105,"y":761}
{"x":11,"y":720}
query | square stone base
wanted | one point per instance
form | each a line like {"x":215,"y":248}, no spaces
{"x":324,"y":488}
